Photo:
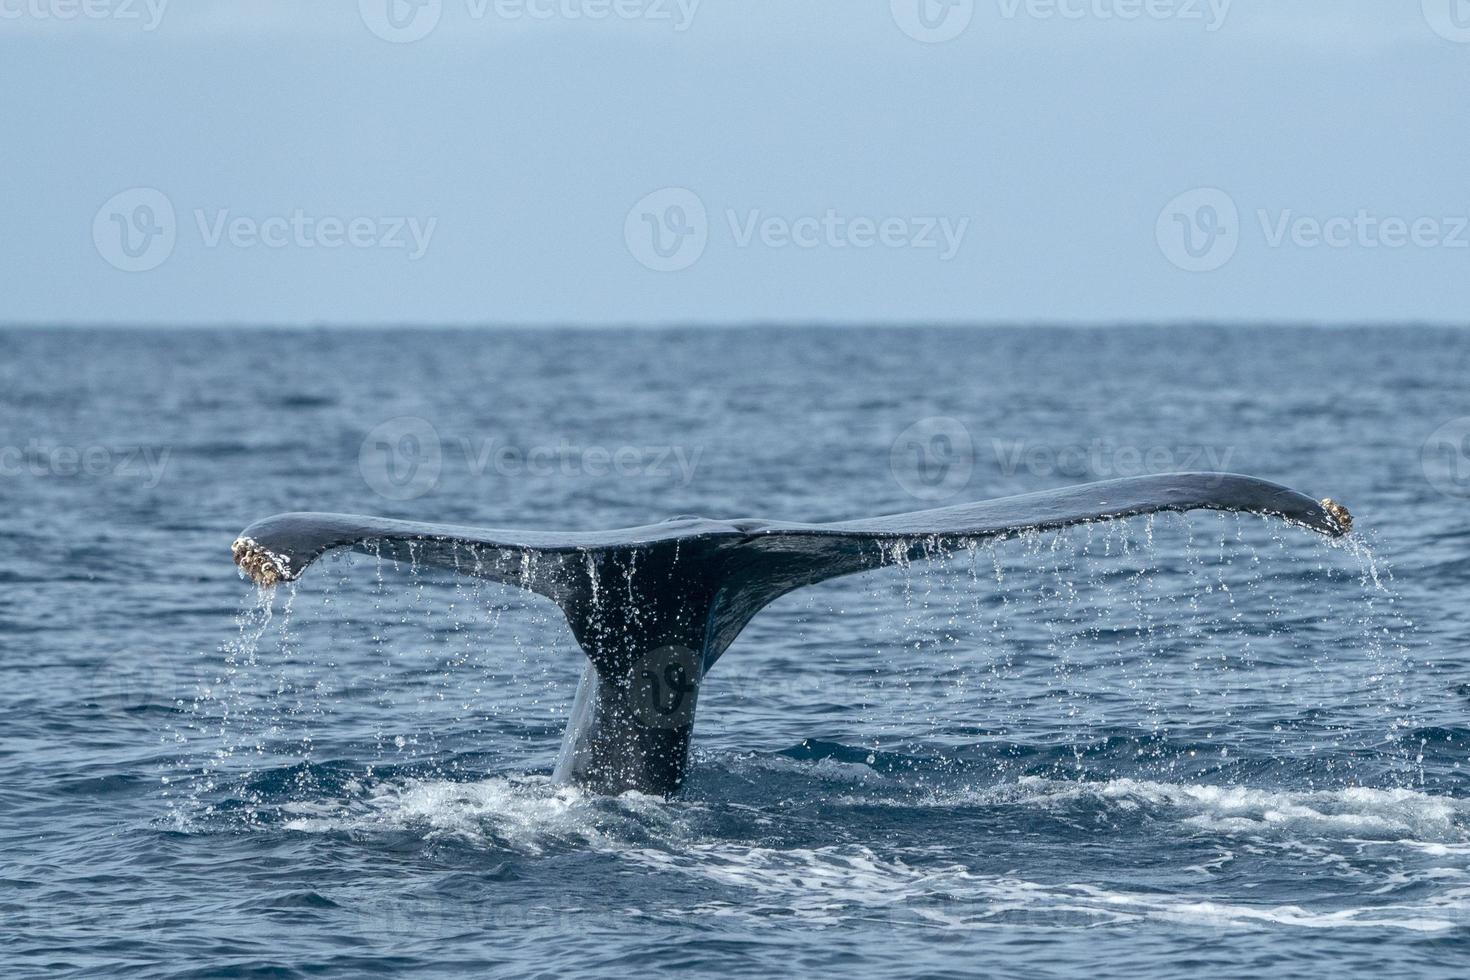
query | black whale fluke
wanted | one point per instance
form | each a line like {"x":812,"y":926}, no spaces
{"x":654,"y":607}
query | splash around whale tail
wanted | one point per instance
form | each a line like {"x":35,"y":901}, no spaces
{"x":688,"y":586}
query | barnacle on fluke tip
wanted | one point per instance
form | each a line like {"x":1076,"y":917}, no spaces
{"x":263,"y":567}
{"x":1339,"y":515}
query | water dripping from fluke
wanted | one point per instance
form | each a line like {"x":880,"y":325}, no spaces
{"x":655,"y":607}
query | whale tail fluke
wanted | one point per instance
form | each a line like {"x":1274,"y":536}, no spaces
{"x":687,"y":587}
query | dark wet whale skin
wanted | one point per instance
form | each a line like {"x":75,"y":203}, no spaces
{"x":654,"y":607}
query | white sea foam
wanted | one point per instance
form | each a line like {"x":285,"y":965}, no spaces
{"x":527,"y":814}
{"x":524,"y":809}
{"x":1389,"y":816}
{"x":1355,"y":810}
{"x":917,"y":887}
{"x":843,"y":884}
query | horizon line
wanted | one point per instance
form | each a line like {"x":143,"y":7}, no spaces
{"x":752,"y":324}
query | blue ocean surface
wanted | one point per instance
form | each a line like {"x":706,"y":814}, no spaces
{"x":1201,"y":745}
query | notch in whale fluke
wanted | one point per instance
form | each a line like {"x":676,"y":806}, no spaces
{"x":688,"y":586}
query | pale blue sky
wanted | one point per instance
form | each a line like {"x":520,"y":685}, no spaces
{"x":506,"y":168}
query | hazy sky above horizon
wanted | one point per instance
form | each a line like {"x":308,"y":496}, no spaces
{"x":613,"y":161}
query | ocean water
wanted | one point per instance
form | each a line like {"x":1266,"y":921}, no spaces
{"x":1189,"y":746}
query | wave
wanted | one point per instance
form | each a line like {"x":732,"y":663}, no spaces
{"x":829,"y":885}
{"x":530,"y":814}
{"x":1379,"y":813}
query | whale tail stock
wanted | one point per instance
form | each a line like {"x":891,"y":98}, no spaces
{"x":685,"y":588}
